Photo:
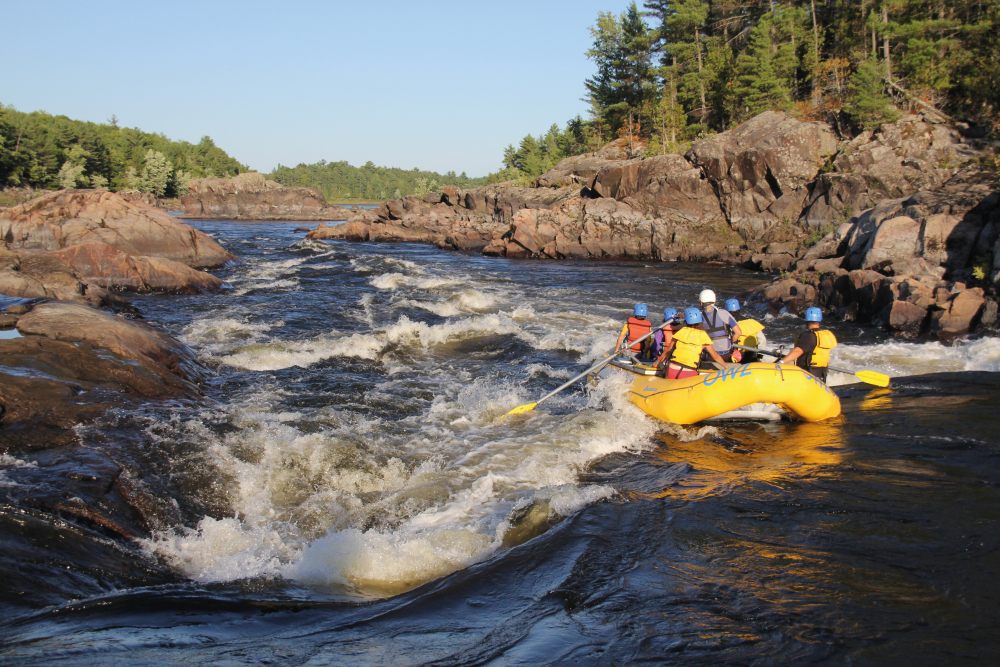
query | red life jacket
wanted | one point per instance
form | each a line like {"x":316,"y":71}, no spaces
{"x":637,"y":328}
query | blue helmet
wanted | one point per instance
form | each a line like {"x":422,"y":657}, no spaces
{"x":640,"y":310}
{"x":732,"y":305}
{"x":692,"y":316}
{"x":669,"y":314}
{"x":813,"y":314}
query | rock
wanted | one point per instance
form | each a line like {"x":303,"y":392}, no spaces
{"x":152,"y":350}
{"x":74,"y":362}
{"x":72,"y":217}
{"x":40,"y":275}
{"x":907,"y":318}
{"x":451,"y":195}
{"x":760,"y":170}
{"x":103,"y":265}
{"x":7,"y":320}
{"x":898,"y":159}
{"x":250,"y":196}
{"x":789,"y":293}
{"x":664,"y":186}
{"x":963,"y":309}
{"x":576,"y":171}
{"x":894,"y":240}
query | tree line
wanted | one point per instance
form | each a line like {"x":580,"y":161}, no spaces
{"x":44,"y":151}
{"x":340,"y":181}
{"x":676,"y":70}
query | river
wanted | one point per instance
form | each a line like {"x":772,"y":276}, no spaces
{"x":349,"y":492}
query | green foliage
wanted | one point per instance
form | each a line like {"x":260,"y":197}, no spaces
{"x":867,"y":103}
{"x":622,"y":52}
{"x":340,"y":181}
{"x":156,"y":173}
{"x":684,"y":68}
{"x":40,"y":150}
{"x":536,"y":155}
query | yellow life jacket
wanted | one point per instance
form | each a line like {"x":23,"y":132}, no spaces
{"x":688,"y":344}
{"x":825,"y":341}
{"x":749,"y":328}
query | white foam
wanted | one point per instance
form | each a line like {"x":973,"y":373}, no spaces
{"x":275,"y":355}
{"x":8,"y":461}
{"x":899,"y":358}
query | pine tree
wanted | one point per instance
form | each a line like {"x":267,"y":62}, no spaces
{"x":760,"y":76}
{"x":867,"y":104}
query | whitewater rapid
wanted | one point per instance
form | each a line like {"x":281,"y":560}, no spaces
{"x":405,"y":468}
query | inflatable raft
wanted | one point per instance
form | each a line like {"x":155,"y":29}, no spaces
{"x":743,"y":391}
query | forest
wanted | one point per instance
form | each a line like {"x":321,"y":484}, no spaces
{"x":42,"y":151}
{"x":676,"y":70}
{"x":342,"y":182}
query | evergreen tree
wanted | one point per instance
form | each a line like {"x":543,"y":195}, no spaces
{"x":867,"y":103}
{"x":760,"y":75}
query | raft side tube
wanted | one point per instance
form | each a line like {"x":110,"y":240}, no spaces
{"x":696,"y":399}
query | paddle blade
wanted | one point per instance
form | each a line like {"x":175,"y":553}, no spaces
{"x":873,"y":377}
{"x":527,"y":407}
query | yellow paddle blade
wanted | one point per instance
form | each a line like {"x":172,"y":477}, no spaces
{"x":527,"y":407}
{"x":873,"y":377}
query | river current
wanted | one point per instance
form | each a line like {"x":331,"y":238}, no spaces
{"x":349,"y":491}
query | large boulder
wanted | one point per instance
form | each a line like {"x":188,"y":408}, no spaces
{"x":945,"y":232}
{"x":72,"y":217}
{"x":106,"y":266}
{"x":664,"y":186}
{"x":250,"y":196}
{"x":40,"y":275}
{"x":893,"y":161}
{"x":134,"y":341}
{"x":72,"y":362}
{"x":761,"y":170}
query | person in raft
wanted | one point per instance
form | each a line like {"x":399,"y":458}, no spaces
{"x":635,"y":328}
{"x":663,"y":335}
{"x":720,"y":326}
{"x":751,"y":333}
{"x":813,"y":346}
{"x":686,"y":347}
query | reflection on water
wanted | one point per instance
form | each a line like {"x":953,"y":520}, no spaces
{"x":767,"y":452}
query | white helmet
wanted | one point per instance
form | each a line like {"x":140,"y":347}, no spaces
{"x":706,"y":296}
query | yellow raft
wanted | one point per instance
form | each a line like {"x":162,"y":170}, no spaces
{"x":708,"y":396}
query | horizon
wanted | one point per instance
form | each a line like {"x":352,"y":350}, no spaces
{"x":444,"y":91}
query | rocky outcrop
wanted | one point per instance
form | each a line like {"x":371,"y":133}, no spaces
{"x":250,"y":196}
{"x":914,"y":153}
{"x":73,"y":362}
{"x":761,"y":170}
{"x":736,"y":197}
{"x":72,"y":217}
{"x":887,"y":227}
{"x":923,"y":264}
{"x":74,"y":245}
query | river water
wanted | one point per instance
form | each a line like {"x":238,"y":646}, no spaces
{"x":349,"y":491}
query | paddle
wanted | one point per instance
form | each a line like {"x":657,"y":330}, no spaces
{"x":528,"y":407}
{"x":869,"y":377}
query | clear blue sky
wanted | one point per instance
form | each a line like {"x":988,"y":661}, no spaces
{"x":436,"y":84}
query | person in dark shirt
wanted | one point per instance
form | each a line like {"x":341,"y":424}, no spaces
{"x":813,"y":346}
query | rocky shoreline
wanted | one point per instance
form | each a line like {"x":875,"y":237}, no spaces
{"x":251,"y":196}
{"x":74,"y":347}
{"x":774,"y":193}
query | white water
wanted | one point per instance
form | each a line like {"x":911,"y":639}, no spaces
{"x":375,"y":502}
